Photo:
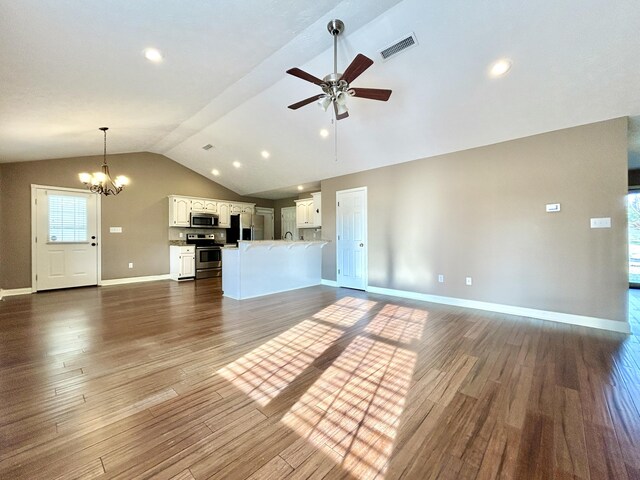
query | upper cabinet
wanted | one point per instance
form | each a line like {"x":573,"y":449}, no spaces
{"x":304,"y":213}
{"x":224,"y":215}
{"x":308,"y":212}
{"x":317,"y":209}
{"x":203,"y":205}
{"x":179,"y":211}
{"x":238,"y":208}
{"x":210,"y":206}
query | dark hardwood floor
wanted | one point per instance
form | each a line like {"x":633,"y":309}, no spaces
{"x":170,"y":380}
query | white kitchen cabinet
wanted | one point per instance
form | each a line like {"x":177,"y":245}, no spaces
{"x":182,"y":262}
{"x":211,"y":206}
{"x":204,"y":205}
{"x":238,"y":208}
{"x":224,"y":215}
{"x":197,"y":205}
{"x":179,"y":211}
{"x":317,"y":209}
{"x":304,"y":213}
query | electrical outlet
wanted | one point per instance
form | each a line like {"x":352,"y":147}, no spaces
{"x":180,"y":235}
{"x":441,"y":278}
{"x":468,"y":281}
{"x":130,"y":264}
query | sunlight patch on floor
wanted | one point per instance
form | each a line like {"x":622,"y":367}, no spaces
{"x":346,"y":311}
{"x":267,"y":370}
{"x":352,"y":412}
{"x":397,"y":323}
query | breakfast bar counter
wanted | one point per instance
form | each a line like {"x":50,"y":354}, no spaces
{"x":262,"y":267}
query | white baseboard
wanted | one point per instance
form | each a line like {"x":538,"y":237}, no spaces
{"x":14,"y":291}
{"x":592,"y":322}
{"x":122,"y":281}
{"x":329,"y":283}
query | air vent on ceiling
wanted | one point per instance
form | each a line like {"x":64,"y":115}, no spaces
{"x":208,"y":146}
{"x":398,"y":46}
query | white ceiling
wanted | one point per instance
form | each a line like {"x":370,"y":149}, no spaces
{"x":70,"y":66}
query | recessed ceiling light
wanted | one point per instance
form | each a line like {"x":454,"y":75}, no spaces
{"x":153,"y":55}
{"x":300,"y":187}
{"x":265,"y":154}
{"x":500,"y":67}
{"x":215,"y":172}
{"x":324,"y":133}
{"x":237,"y":164}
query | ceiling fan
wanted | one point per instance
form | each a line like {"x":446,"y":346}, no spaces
{"x":336,"y":87}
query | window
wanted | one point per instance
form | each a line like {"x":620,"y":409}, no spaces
{"x":67,"y":218}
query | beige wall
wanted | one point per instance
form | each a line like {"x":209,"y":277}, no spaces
{"x":481,"y":213}
{"x":141,"y":210}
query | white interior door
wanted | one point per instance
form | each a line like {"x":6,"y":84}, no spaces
{"x":351,"y":231}
{"x":267,"y":213}
{"x":65,"y":238}
{"x":288,"y":222}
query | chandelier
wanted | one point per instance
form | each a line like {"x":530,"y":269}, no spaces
{"x":101,"y":182}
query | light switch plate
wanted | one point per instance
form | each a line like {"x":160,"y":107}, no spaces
{"x":553,"y":207}
{"x":115,"y":229}
{"x":441,"y":278}
{"x":604,"y":222}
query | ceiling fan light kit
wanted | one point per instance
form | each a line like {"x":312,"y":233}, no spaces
{"x":336,"y":87}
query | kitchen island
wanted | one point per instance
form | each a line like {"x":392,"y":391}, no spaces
{"x":262,"y":267}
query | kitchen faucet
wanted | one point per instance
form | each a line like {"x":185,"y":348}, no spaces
{"x":288,"y":233}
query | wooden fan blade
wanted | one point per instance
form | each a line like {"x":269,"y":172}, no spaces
{"x":306,"y":101}
{"x":358,"y":65}
{"x":296,"y":72}
{"x":339,"y":116}
{"x":372,"y":93}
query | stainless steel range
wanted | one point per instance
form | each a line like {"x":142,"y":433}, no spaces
{"x":208,"y":254}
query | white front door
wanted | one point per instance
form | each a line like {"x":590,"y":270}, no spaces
{"x":64,"y":238}
{"x":351,"y":231}
{"x":288,"y":222}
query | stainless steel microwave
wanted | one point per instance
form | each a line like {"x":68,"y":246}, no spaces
{"x":203,"y":220}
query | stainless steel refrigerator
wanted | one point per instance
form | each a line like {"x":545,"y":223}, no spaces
{"x":251,"y":227}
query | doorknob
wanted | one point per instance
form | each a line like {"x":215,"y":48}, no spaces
{"x":93,"y":244}
{"x":93,"y":237}
{"x":362,"y":244}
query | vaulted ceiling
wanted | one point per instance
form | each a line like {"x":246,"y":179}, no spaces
{"x":69,"y":66}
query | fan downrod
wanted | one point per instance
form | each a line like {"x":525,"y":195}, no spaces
{"x":335,"y":27}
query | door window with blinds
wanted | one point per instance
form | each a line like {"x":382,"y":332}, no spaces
{"x":67,"y":218}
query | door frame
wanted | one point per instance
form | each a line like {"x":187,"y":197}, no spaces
{"x":366,"y":233}
{"x":34,"y":255}
{"x":294,"y":234}
{"x":264,"y":211}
